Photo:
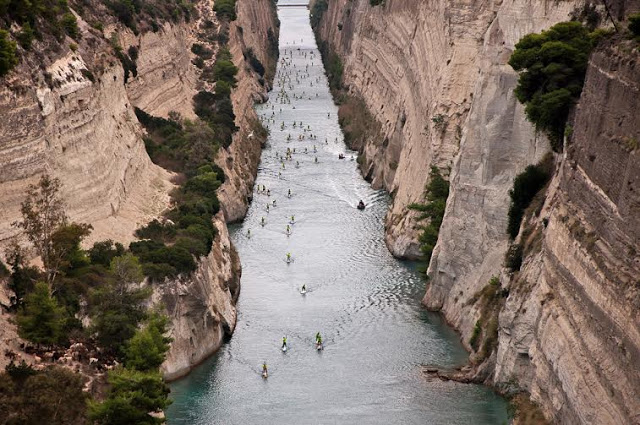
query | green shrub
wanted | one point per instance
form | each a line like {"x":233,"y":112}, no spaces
{"x":70,"y":25}
{"x":225,"y":70}
{"x":225,"y":10}
{"x":26,"y":35}
{"x":525,"y":187}
{"x":201,"y":51}
{"x":437,"y":192}
{"x":376,"y":2}
{"x":552,"y":68}
{"x":157,"y":231}
{"x":474,"y":340}
{"x":8,"y":58}
{"x":103,"y":252}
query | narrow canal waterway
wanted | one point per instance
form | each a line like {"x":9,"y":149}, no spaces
{"x":365,"y":303}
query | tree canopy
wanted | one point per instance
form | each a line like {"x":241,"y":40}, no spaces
{"x":552,"y":68}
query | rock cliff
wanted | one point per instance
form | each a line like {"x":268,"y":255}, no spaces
{"x":570,"y":330}
{"x":73,"y":117}
{"x":434,"y":75}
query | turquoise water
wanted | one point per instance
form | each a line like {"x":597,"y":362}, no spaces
{"x":365,"y":303}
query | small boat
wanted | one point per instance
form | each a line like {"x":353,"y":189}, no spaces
{"x":284,"y":348}
{"x":319,"y":346}
{"x":265,"y":375}
{"x":340,"y":156}
{"x":361,"y":205}
{"x":303,"y":291}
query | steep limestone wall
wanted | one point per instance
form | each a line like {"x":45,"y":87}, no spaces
{"x":202,"y":307}
{"x":56,"y":120}
{"x":570,"y":329}
{"x":167,"y":79}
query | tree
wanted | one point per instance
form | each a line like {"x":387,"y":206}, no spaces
{"x":525,"y":187}
{"x":133,"y":395}
{"x":146,"y":350}
{"x":8,"y":58}
{"x":42,"y":213}
{"x":41,"y":320}
{"x":53,"y":396}
{"x":103,"y":252}
{"x":552,"y":68}
{"x":118,"y":307}
{"x":126,"y":270}
{"x":66,"y":253}
{"x":23,"y":277}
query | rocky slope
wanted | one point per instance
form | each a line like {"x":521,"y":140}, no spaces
{"x":74,"y":118}
{"x":435,"y":77}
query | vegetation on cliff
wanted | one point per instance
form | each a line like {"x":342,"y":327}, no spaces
{"x":525,"y":187}
{"x":552,"y":68}
{"x":103,"y":284}
{"x":28,"y":396}
{"x":433,"y":208}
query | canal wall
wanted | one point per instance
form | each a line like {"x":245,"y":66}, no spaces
{"x":434,"y":77}
{"x":68,"y":112}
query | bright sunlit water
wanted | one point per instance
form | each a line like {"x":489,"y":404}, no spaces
{"x":365,"y":303}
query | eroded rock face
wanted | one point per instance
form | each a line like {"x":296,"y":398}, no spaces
{"x":571,"y":331}
{"x":84,"y":133}
{"x":166,"y":79}
{"x":202,"y":306}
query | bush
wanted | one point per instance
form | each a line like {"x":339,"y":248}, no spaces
{"x":103,"y":252}
{"x":157,"y":231}
{"x":8,"y":58}
{"x":474,"y":340}
{"x":552,"y":68}
{"x":201,"y":51}
{"x":437,"y":192}
{"x":225,"y":70}
{"x":26,"y":36}
{"x":70,"y":25}
{"x":225,"y":10}
{"x":525,"y":187}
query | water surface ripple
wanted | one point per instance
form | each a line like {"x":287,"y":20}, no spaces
{"x":365,"y":303}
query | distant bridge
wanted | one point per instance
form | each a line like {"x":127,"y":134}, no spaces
{"x":294,"y":5}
